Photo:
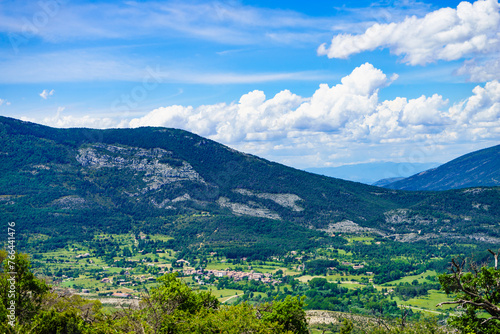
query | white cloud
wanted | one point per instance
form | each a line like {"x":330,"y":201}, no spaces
{"x":445,"y":34}
{"x":252,"y":118}
{"x":218,"y":21}
{"x":330,"y":108}
{"x":203,"y":77}
{"x":2,"y":101}
{"x":483,"y":108}
{"x":45,"y":94}
{"x":255,"y":118}
{"x":77,"y":65}
{"x":481,"y":70}
{"x":69,"y":121}
{"x":334,"y":123}
{"x":229,"y":22}
{"x":424,"y":111}
{"x":338,"y":116}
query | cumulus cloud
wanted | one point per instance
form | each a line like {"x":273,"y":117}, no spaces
{"x":445,"y":34}
{"x":483,"y":108}
{"x":331,"y":124}
{"x":347,"y":113}
{"x":252,"y":118}
{"x":256,"y":118}
{"x":481,"y":70}
{"x":2,"y":101}
{"x":45,"y":94}
{"x":424,"y":111}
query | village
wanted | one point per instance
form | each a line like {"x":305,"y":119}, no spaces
{"x":205,"y":275}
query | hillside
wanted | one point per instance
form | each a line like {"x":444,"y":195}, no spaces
{"x":384,"y":182}
{"x":477,"y":169}
{"x":73,"y":183}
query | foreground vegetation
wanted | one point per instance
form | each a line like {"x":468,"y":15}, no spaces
{"x":172,"y":307}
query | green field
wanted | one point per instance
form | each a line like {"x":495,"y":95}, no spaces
{"x":363,"y":239}
{"x":429,"y":302}
{"x":341,"y":277}
{"x":421,"y":278}
{"x":352,"y":285}
{"x":224,"y":294}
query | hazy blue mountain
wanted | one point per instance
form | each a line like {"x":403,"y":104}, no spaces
{"x":370,"y":173}
{"x":384,"y":182}
{"x":479,"y":168}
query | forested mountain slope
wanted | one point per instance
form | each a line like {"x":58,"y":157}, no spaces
{"x":71,"y":183}
{"x":476,"y":169}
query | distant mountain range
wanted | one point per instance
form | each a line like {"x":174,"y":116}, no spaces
{"x":370,"y":173}
{"x":477,"y":169}
{"x":61,"y":184}
{"x":384,"y":182}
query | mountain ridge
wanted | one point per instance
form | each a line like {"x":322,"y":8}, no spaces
{"x":475,"y":169}
{"x":81,"y":181}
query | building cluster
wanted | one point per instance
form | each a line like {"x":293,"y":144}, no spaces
{"x":235,"y":275}
{"x":354,"y":266}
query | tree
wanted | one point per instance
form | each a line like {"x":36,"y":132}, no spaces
{"x":477,"y":290}
{"x":288,"y":313}
{"x":173,"y":307}
{"x":172,"y":302}
{"x":21,"y":292}
{"x":347,"y":327}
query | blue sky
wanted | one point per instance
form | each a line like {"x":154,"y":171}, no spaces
{"x":308,"y":84}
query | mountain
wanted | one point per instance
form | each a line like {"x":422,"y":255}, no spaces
{"x":477,"y":169}
{"x":370,"y":173}
{"x":384,"y":182}
{"x":64,"y":184}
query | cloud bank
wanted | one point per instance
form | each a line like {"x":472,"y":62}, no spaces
{"x":349,"y":111}
{"x":445,"y":34}
{"x":316,"y":130}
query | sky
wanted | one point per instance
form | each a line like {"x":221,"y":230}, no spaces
{"x":303,"y":83}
